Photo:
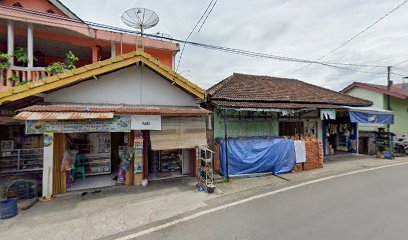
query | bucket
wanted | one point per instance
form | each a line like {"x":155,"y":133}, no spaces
{"x":387,"y":155}
{"x":8,"y":208}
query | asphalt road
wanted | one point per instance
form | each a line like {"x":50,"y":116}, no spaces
{"x":370,"y":205}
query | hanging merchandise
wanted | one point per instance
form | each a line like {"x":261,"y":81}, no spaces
{"x":138,"y":153}
{"x":67,"y":164}
{"x":126,"y":154}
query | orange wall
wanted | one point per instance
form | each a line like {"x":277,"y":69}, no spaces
{"x":165,"y":57}
{"x":39,"y":5}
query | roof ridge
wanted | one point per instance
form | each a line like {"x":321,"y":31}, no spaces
{"x":247,"y":87}
{"x":101,"y":67}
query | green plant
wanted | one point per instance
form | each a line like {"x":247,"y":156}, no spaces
{"x":55,"y":68}
{"x":71,"y":59}
{"x":14,"y":78}
{"x":58,"y":67}
{"x":23,"y":83}
{"x":21,"y":55}
{"x":4,"y":60}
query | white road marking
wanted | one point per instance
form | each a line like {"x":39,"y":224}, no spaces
{"x":199,"y":214}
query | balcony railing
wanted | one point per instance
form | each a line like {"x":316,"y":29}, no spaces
{"x":21,"y":75}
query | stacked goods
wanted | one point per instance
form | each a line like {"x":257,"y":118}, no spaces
{"x":314,"y":154}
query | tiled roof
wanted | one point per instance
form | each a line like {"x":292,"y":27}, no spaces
{"x":396,"y":90}
{"x":251,"y":90}
{"x":98,"y":68}
{"x":120,"y":109}
{"x":241,"y":104}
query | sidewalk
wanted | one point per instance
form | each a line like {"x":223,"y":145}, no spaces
{"x":120,"y":209}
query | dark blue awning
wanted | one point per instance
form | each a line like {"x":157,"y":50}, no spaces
{"x":371,"y":116}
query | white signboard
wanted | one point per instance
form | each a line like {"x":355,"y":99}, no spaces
{"x":145,"y":122}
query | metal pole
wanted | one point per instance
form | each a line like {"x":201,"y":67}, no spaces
{"x":389,"y":83}
{"x":226,"y":144}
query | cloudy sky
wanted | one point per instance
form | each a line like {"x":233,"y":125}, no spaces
{"x":295,"y":28}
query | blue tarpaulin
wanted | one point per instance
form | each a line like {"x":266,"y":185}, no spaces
{"x":257,"y":155}
{"x":371,"y":117}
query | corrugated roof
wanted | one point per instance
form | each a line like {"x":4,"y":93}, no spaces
{"x":252,"y":89}
{"x":120,"y":109}
{"x":67,"y":78}
{"x":26,"y":115}
{"x":396,"y":90}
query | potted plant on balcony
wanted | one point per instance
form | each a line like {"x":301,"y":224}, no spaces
{"x":71,"y":59}
{"x":58,"y":67}
{"x":4,"y":61}
{"x":21,"y":56}
{"x":4,"y":64}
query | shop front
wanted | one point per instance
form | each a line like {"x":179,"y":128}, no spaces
{"x":339,"y":133}
{"x":112,"y":149}
{"x":341,"y":130}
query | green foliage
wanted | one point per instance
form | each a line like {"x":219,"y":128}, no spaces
{"x":58,"y":67}
{"x":14,"y":78}
{"x":71,"y":59}
{"x":4,"y":58}
{"x":21,"y":55}
{"x":55,"y":68}
{"x":23,"y":83}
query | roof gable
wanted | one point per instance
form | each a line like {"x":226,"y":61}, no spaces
{"x":252,"y":88}
{"x":87,"y":72}
{"x":396,"y":90}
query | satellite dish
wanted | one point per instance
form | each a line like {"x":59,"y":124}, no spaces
{"x":140,"y":18}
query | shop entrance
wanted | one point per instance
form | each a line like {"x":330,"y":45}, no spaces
{"x":167,"y":164}
{"x":95,"y":160}
{"x":339,"y":136}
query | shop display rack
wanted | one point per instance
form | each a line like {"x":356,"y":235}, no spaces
{"x":170,"y":160}
{"x":21,"y":160}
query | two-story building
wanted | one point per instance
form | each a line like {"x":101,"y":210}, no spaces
{"x":122,"y":101}
{"x":384,"y":98}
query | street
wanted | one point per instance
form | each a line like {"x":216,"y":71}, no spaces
{"x":369,"y":205}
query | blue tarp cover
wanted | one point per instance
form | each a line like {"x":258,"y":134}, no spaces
{"x":257,"y":155}
{"x":371,"y":117}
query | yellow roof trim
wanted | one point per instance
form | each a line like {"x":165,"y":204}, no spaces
{"x":60,"y":80}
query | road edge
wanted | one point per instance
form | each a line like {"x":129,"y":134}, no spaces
{"x":248,"y":199}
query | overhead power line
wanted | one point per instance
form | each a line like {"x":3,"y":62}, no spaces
{"x":336,"y":65}
{"x":401,"y":63}
{"x":207,"y":15}
{"x":400,"y":69}
{"x":353,"y":37}
{"x":189,"y":35}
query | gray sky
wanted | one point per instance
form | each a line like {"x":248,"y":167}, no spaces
{"x":295,"y":28}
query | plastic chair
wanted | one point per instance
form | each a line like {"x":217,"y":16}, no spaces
{"x":79,"y":166}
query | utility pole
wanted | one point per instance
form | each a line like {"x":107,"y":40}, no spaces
{"x":389,"y":83}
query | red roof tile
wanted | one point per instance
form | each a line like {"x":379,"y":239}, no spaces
{"x":240,"y":104}
{"x":252,"y":90}
{"x":396,"y":90}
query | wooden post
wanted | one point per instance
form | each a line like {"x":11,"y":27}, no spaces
{"x":129,"y":172}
